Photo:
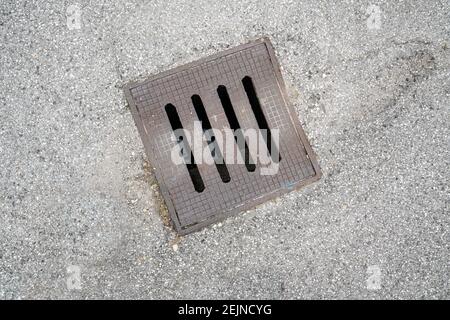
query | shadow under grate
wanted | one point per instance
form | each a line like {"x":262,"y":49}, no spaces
{"x":239,"y":89}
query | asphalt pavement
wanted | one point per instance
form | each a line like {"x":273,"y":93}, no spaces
{"x":79,"y":206}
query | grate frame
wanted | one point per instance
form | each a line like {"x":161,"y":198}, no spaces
{"x":189,"y":211}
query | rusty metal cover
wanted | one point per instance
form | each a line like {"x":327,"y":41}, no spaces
{"x":238,"y":88}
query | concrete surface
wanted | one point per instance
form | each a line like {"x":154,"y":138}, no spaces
{"x":79,"y":217}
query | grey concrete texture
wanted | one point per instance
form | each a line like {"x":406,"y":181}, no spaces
{"x":370,"y":81}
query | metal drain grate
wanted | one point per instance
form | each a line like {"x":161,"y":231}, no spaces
{"x":240,"y":88}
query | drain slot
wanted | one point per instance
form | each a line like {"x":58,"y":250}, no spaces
{"x":260,"y":117}
{"x":234,"y":125}
{"x":189,"y":160}
{"x":210,"y":138}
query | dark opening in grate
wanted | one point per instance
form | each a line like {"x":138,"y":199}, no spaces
{"x":240,"y":89}
{"x":177,"y":128}
{"x":234,"y":124}
{"x":211,"y":139}
{"x":259,"y":115}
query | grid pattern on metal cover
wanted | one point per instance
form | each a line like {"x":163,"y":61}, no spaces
{"x":188,"y":207}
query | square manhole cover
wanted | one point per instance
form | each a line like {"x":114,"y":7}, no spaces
{"x":221,"y":135}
